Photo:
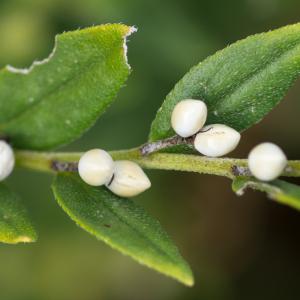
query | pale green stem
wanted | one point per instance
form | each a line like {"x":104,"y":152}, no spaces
{"x":227,"y":167}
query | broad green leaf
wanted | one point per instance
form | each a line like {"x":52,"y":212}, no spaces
{"x":15,"y":225}
{"x":239,"y":84}
{"x":278,"y":190}
{"x":122,"y":224}
{"x":57,"y":99}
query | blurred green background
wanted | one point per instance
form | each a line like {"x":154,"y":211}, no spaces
{"x":239,"y":248}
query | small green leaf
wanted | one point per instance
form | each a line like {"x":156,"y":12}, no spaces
{"x":15,"y":225}
{"x":122,"y":224}
{"x":56,"y":100}
{"x":278,"y":190}
{"x":239,"y":84}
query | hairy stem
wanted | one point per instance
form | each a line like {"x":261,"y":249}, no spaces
{"x":229,"y":167}
{"x":175,"y":140}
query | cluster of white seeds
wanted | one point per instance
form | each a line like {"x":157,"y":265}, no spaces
{"x":189,"y":117}
{"x":266,"y":161}
{"x":124,"y":178}
{"x":7,"y":160}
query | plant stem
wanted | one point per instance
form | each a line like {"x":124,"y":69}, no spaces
{"x":175,"y":140}
{"x":228,"y":167}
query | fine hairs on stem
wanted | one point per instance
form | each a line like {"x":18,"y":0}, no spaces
{"x":52,"y":162}
{"x":175,"y":140}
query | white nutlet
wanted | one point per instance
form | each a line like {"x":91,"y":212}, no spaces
{"x":216,"y":140}
{"x":188,"y":117}
{"x":128,"y":180}
{"x":266,"y":161}
{"x":96,"y":167}
{"x":7,"y":160}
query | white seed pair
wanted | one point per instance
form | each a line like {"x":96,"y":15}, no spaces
{"x":124,"y":178}
{"x":7,"y":160}
{"x":189,"y":117}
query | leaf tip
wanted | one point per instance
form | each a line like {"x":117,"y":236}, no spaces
{"x":19,"y":239}
{"x":181,"y":272}
{"x":188,"y":280}
{"x":25,"y":239}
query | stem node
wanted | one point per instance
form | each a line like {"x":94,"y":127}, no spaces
{"x":156,"y":146}
{"x":60,"y":166}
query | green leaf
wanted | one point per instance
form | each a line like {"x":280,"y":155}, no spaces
{"x":15,"y":225}
{"x":57,"y":99}
{"x":122,"y":224}
{"x":239,"y":84}
{"x":278,"y":190}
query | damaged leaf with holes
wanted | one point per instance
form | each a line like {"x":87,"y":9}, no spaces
{"x":54,"y":101}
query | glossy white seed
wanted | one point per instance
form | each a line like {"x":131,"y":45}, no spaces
{"x":7,"y":160}
{"x":266,"y":161}
{"x":216,"y":140}
{"x":96,"y":167}
{"x":188,"y":117}
{"x":128,"y":180}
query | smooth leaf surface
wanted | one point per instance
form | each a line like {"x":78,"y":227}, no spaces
{"x":122,"y":224}
{"x":239,"y":84}
{"x":56,"y":100}
{"x":278,"y":190}
{"x":15,"y":225}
